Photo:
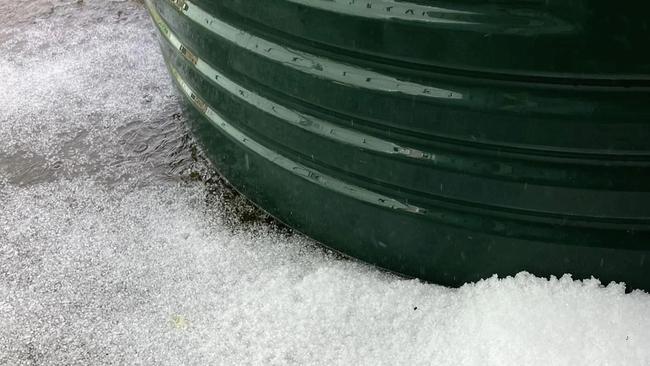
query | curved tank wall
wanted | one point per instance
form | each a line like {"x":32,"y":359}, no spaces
{"x":443,"y":140}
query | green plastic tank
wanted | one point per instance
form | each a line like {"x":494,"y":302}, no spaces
{"x":445,"y":140}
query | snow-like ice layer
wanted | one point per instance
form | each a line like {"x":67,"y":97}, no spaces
{"x":80,"y":81}
{"x":99,"y":266}
{"x":152,"y":275}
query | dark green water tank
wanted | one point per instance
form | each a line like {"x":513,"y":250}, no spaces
{"x":446,"y":140}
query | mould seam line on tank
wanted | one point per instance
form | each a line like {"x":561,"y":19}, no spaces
{"x":318,"y":66}
{"x":303,"y":121}
{"x":300,"y":170}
